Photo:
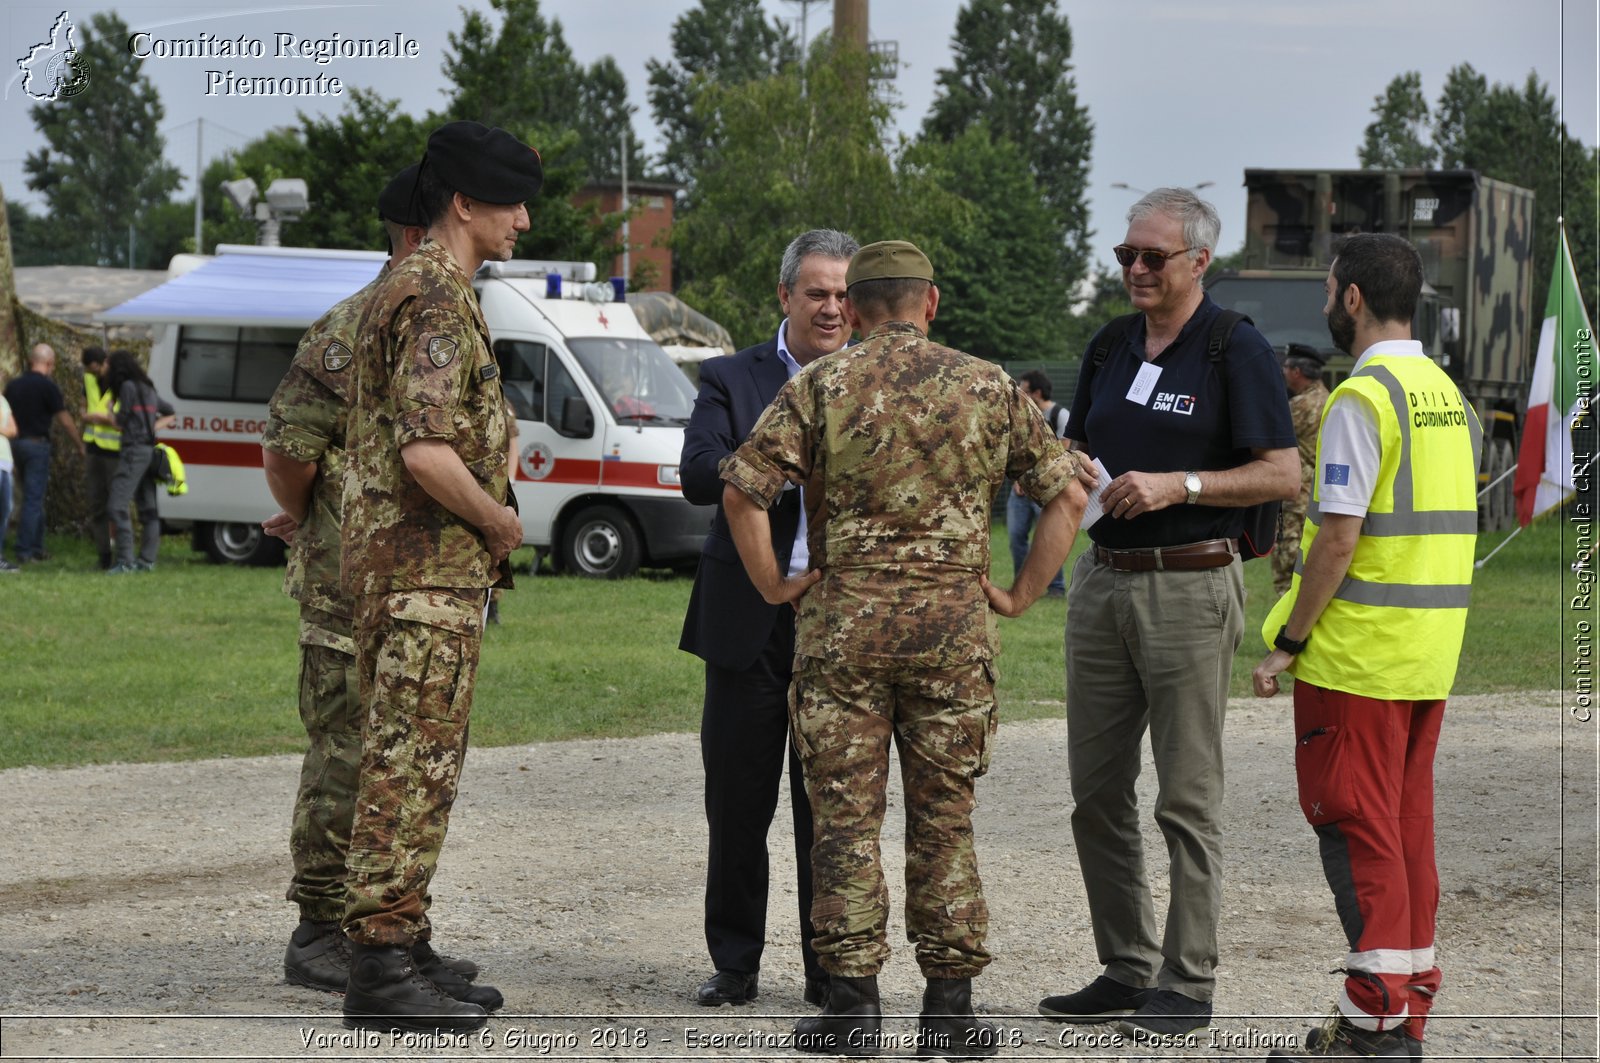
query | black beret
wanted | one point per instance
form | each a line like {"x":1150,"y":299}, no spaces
{"x":1305,"y":350}
{"x":398,"y":202}
{"x":487,"y":164}
{"x":888,"y":260}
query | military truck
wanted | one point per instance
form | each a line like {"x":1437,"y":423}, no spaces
{"x":1475,"y":236}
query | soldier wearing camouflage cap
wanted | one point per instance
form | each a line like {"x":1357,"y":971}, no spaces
{"x":428,"y":528}
{"x":900,"y":444}
{"x":303,"y":455}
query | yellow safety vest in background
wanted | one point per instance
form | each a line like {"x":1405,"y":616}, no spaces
{"x":1394,"y":627}
{"x":100,"y":401}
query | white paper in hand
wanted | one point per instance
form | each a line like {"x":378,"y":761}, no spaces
{"x":1092,"y":512}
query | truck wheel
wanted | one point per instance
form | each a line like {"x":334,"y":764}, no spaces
{"x":239,"y":544}
{"x":601,"y":542}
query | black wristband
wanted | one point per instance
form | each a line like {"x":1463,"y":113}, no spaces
{"x":1289,"y":645}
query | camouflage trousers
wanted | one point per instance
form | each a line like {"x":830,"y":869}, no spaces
{"x":330,"y":708}
{"x":941,"y":719}
{"x":1286,"y":552}
{"x":417,"y":655}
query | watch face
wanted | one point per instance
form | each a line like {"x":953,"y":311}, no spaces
{"x":1191,"y":484}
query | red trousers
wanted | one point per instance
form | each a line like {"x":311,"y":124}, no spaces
{"x":1365,"y":771}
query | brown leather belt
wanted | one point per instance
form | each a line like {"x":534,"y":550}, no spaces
{"x":1212,"y":553}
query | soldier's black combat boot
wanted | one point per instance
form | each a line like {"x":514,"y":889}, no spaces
{"x":318,"y":956}
{"x":387,"y":992}
{"x":947,"y":1026}
{"x":850,"y":1024}
{"x":436,"y":970}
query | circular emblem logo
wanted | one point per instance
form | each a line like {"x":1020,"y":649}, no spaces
{"x":68,"y":72}
{"x":536,"y":461}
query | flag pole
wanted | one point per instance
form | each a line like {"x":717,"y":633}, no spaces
{"x":1514,"y":533}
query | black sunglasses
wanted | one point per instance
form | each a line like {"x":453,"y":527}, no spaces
{"x":1154,"y":261}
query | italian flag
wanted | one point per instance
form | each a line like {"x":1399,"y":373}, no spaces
{"x":1544,"y":468}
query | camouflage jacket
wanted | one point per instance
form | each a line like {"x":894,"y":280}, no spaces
{"x":901,"y":445}
{"x":423,"y":370}
{"x":306,"y":422}
{"x":1306,"y":411}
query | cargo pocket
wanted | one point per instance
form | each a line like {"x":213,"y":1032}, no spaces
{"x":426,"y":664}
{"x":991,"y":725}
{"x":1327,"y":792}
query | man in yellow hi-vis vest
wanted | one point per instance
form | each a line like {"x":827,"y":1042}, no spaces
{"x":1371,"y":629}
{"x":102,"y":447}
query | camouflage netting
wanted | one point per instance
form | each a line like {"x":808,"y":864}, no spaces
{"x":21,"y":328}
{"x":669,"y":320}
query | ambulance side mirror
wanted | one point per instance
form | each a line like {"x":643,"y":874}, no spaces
{"x":577,"y":421}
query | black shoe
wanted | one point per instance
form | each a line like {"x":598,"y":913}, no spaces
{"x":1341,"y":1039}
{"x":851,"y":1023}
{"x":387,"y":992}
{"x":817,"y":990}
{"x":432,"y":967}
{"x":948,"y":1028}
{"x":318,"y":956}
{"x":465,"y":968}
{"x":728,"y":987}
{"x":1102,"y":1000}
{"x":1167,"y":1013}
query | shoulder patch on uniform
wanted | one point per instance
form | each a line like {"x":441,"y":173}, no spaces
{"x":336,"y":357}
{"x":440,"y":350}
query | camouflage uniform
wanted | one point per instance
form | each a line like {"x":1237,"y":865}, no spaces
{"x":897,"y":639}
{"x":306,"y":422}
{"x":419,"y":575}
{"x":1306,"y":410}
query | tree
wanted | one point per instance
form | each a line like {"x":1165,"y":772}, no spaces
{"x":1396,"y":138}
{"x":520,"y":77}
{"x":1464,"y":89}
{"x":779,"y":160}
{"x":103,"y":168}
{"x":603,"y":118}
{"x":722,"y":44}
{"x":1013,"y":71}
{"x":997,"y":301}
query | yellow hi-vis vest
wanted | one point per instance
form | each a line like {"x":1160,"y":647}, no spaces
{"x":100,"y":401}
{"x":1394,"y":627}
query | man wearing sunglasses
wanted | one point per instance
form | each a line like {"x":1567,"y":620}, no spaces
{"x":1157,"y":608}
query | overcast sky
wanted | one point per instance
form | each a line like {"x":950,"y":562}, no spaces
{"x":1180,"y":92}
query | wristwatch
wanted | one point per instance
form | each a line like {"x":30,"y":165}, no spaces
{"x":1289,"y":645}
{"x":1191,"y":484}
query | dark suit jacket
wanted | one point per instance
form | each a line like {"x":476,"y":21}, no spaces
{"x":728,"y":622}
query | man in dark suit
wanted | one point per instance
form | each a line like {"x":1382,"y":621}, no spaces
{"x":748,"y":645}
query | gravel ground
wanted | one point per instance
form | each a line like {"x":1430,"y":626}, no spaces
{"x":147,"y":920}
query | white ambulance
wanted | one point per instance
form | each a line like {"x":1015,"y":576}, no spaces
{"x":600,"y":407}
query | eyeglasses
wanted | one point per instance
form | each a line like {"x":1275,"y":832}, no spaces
{"x":1154,"y":261}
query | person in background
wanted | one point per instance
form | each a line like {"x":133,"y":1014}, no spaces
{"x":1302,"y":375}
{"x":1022,"y":512}
{"x":102,"y":445}
{"x":141,"y":413}
{"x":36,"y":402}
{"x":8,"y":432}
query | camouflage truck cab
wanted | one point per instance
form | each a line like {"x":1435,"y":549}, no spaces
{"x":1475,"y":236}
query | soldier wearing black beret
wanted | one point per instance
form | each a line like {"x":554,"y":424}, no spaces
{"x":428,"y":529}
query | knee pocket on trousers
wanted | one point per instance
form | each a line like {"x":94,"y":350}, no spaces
{"x":420,"y":672}
{"x":1323,"y":775}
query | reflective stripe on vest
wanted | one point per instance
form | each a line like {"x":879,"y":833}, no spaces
{"x":1394,"y":626}
{"x":99,"y":401}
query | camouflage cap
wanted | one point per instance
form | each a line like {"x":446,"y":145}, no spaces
{"x":487,"y":164}
{"x":398,"y":202}
{"x":888,"y":260}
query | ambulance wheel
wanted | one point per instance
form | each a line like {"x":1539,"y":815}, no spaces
{"x":239,"y":544}
{"x":601,"y":542}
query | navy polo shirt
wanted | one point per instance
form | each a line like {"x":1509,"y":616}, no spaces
{"x":1191,"y":420}
{"x":35,"y":400}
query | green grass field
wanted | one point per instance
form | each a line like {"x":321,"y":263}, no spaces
{"x":197,"y":660}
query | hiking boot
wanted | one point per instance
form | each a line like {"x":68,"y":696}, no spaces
{"x":435,"y":970}
{"x":850,"y":1024}
{"x":1167,"y":1013}
{"x":1101,"y":1000}
{"x":1339,"y":1038}
{"x":948,"y":1028}
{"x":465,"y":968}
{"x":318,"y":956}
{"x":387,"y":992}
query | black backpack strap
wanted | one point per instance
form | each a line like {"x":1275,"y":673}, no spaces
{"x":1222,"y":335}
{"x":1110,"y":334}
